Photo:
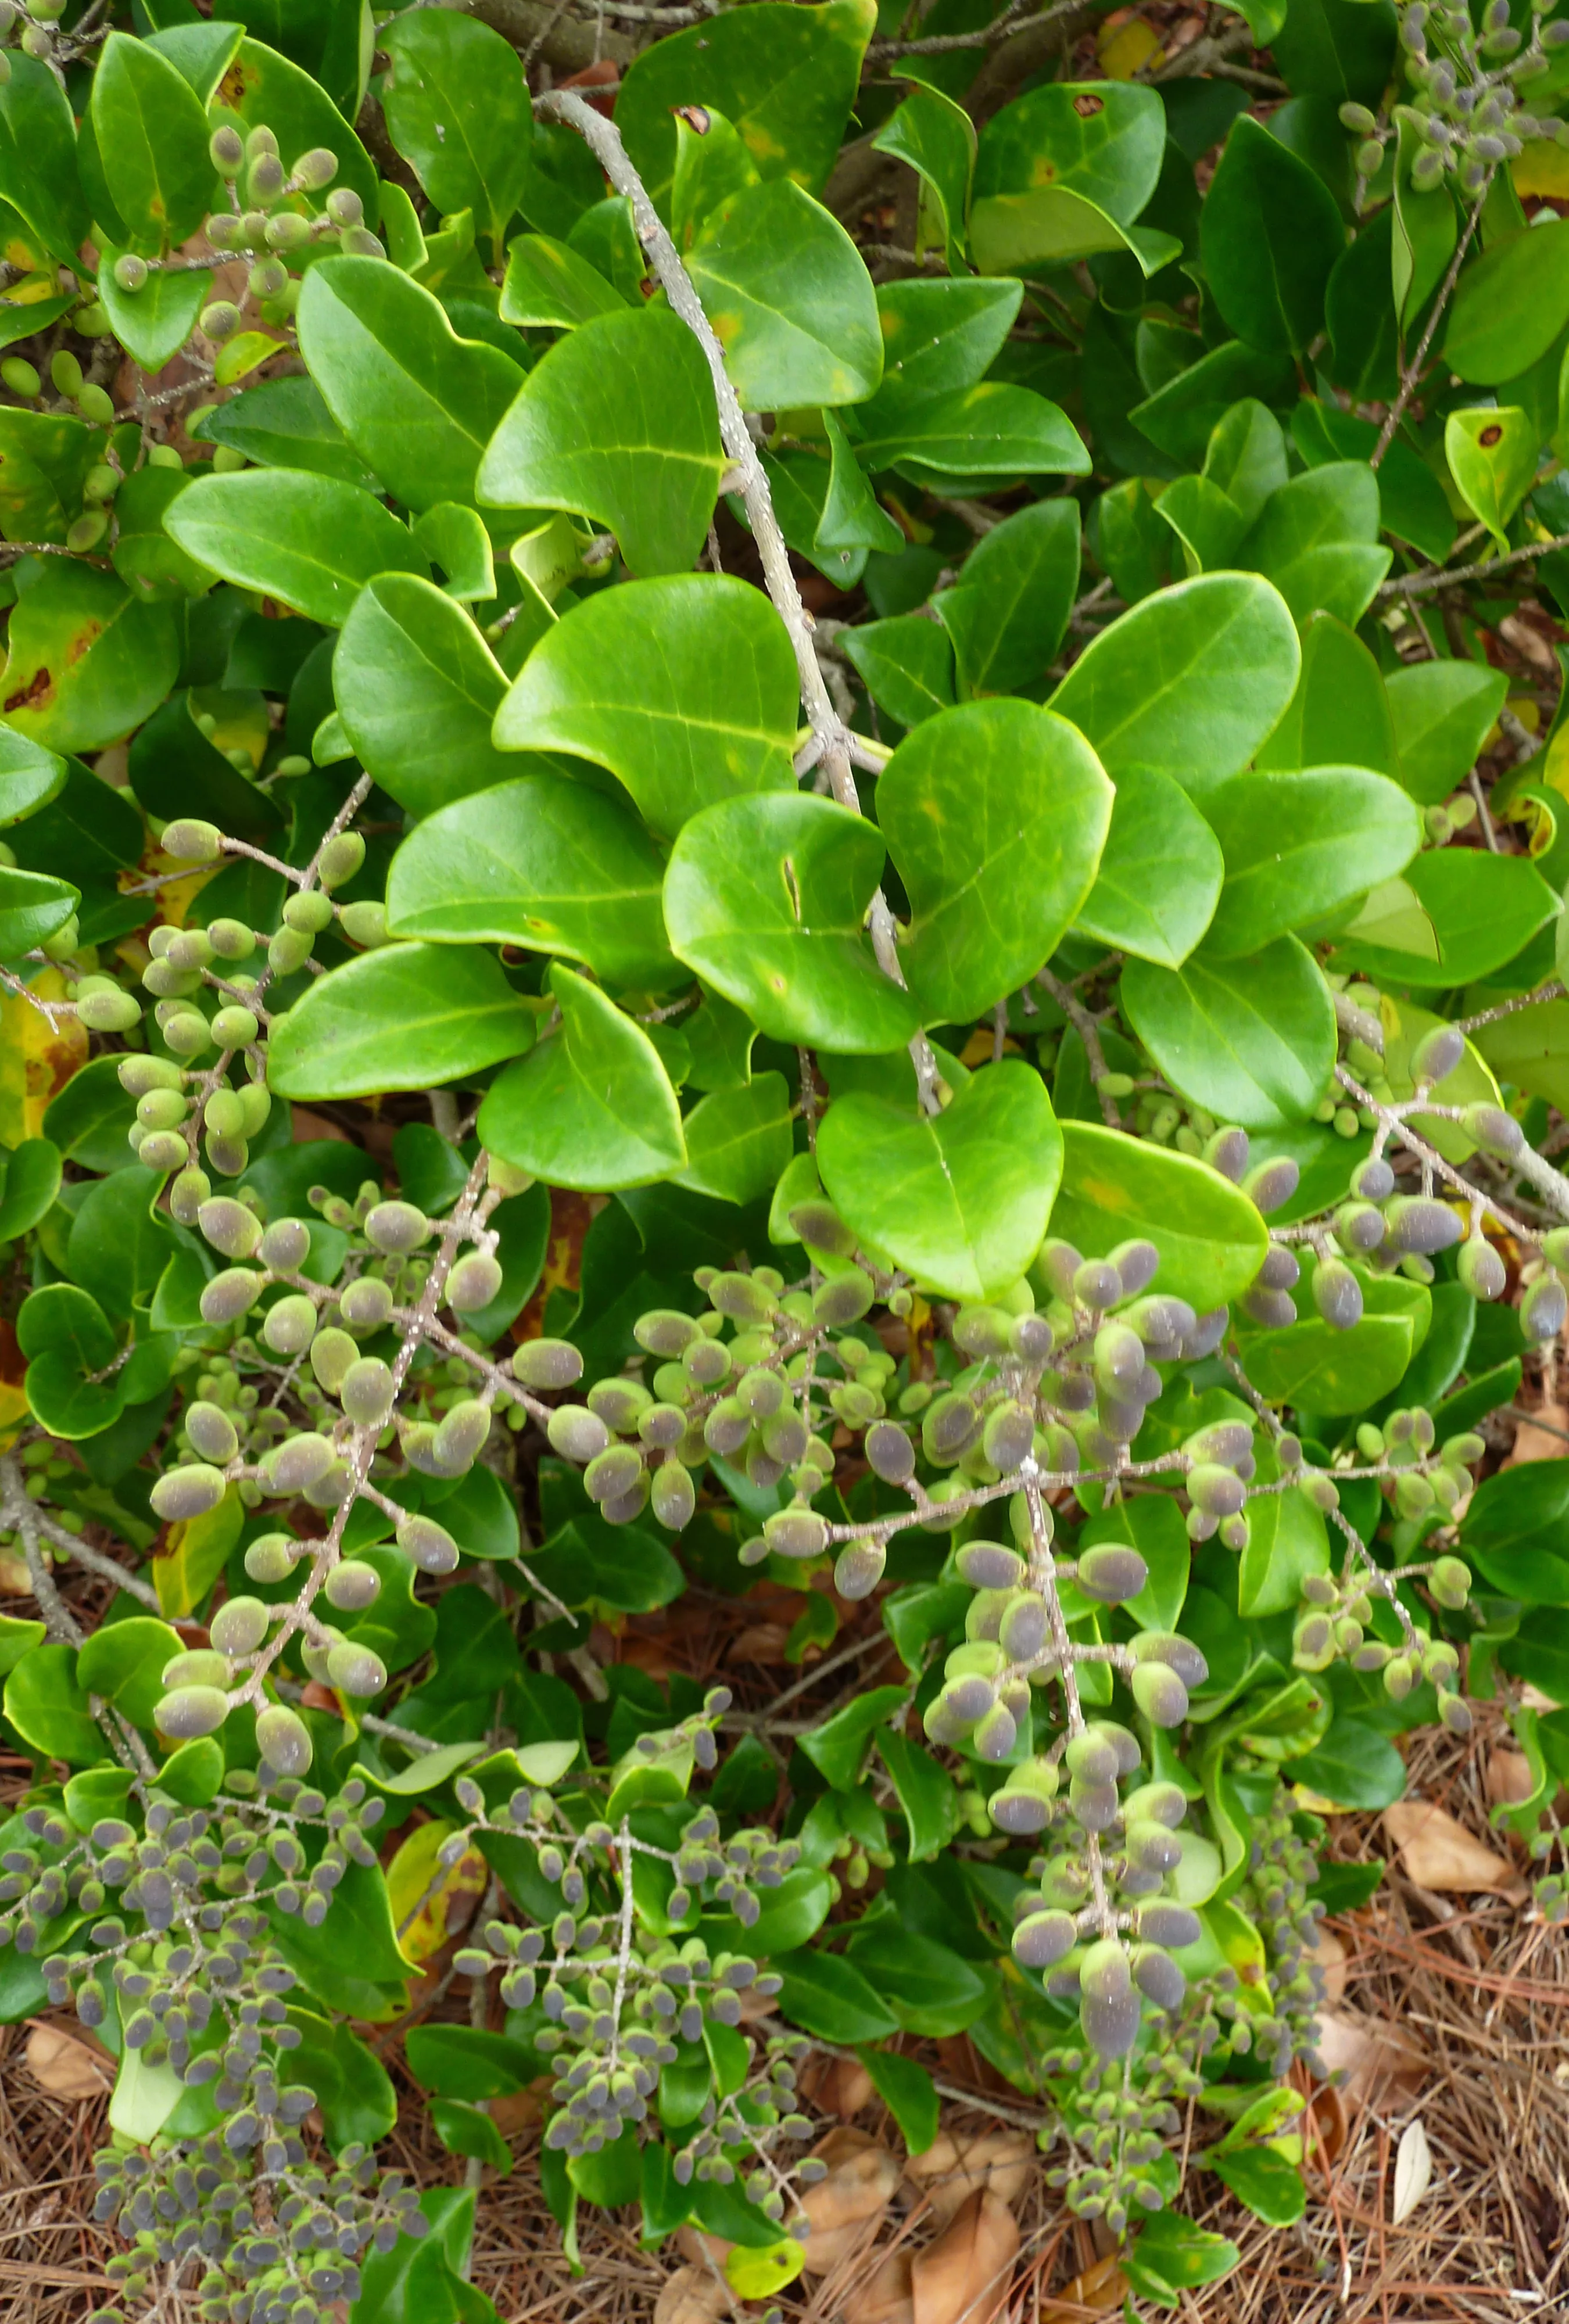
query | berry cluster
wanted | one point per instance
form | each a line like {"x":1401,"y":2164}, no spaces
{"x":1467,"y":117}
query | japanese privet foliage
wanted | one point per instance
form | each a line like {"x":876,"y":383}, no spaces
{"x":1062,"y":1045}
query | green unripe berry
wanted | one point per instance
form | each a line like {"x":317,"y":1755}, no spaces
{"x":474,"y":1281}
{"x":129,"y":272}
{"x":221,"y":320}
{"x":283,"y":1741}
{"x":239,"y":1625}
{"x":289,"y":950}
{"x":65,"y":372}
{"x":231,"y":1227}
{"x":190,"y":841}
{"x":332,"y":1352}
{"x":397,"y":1227}
{"x":344,"y":207}
{"x":235,"y":1028}
{"x":101,"y":483}
{"x":290,"y":1326}
{"x":340,"y":859}
{"x":108,"y":1011}
{"x":271,"y":1557}
{"x":95,"y":405}
{"x":21,"y":378}
{"x":542,"y":1364}
{"x":367,"y":1392}
{"x":226,"y":150}
{"x":211,"y":1433}
{"x":87,"y":531}
{"x":353,"y":1585}
{"x":365,"y":924}
{"x":191,"y":1712}
{"x":309,"y":909}
{"x":188,"y":1492}
{"x":355,"y":1669}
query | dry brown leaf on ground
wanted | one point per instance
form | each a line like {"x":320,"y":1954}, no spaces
{"x":66,"y":2066}
{"x":1413,"y":2172}
{"x":1539,"y":1442}
{"x":840,"y":2086}
{"x":1372,"y":2055}
{"x":693,"y":2295}
{"x":1323,"y":2127}
{"x":963,"y":2278}
{"x":1329,"y":1955}
{"x":952,"y":2168}
{"x":1439,"y":1854}
{"x":884,"y":2298}
{"x":1100,"y":2288}
{"x":843,"y":2207}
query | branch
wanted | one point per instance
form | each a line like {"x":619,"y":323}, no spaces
{"x":1434,"y":577}
{"x":603,"y":141}
{"x":1412,"y":371}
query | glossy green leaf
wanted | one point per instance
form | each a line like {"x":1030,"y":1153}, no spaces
{"x":1288,"y":1541}
{"x":1443,"y":712}
{"x":1492,"y":457}
{"x":996,"y":814}
{"x":830,"y":1999}
{"x":789,"y":299}
{"x":47,"y":1708}
{"x":1340,"y":715}
{"x":936,"y":137}
{"x":34,"y":906}
{"x":283,"y":423}
{"x":1160,"y":871}
{"x":549,"y":284}
{"x":906,"y":664}
{"x":991,"y":429}
{"x":353,"y":2089}
{"x":87,"y":659}
{"x":309,"y":540}
{"x":38,"y":156}
{"x":415,"y":400}
{"x":931,"y":1989}
{"x":686,"y":688}
{"x":1063,"y":172}
{"x":1252,"y":1041}
{"x":1324,"y":1371}
{"x":458,"y":108}
{"x":959,"y":1199}
{"x":1211,"y":1238}
{"x":124,"y":1663}
{"x":786,"y":79}
{"x":1509,"y":306}
{"x":617,"y":421}
{"x":1270,"y":235}
{"x":593,"y":1105}
{"x":1482,"y":908}
{"x":1317,"y":540}
{"x":938,"y":335}
{"x":30,"y":776}
{"x":738,"y":1140}
{"x":765,"y":898}
{"x":1009,"y":610}
{"x":152,"y":135}
{"x":1298,"y":846}
{"x":1188,"y":683}
{"x":925,"y":1792}
{"x":417,"y":690}
{"x":405,"y":1017}
{"x":543,"y":862}
{"x":152,"y":324}
{"x":30,"y":1183}
{"x":1413,"y":504}
{"x":907,"y":2091}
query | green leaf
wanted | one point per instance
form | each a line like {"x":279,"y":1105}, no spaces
{"x":1152,"y":1525}
{"x":1271,"y":2186}
{"x":1160,"y":871}
{"x":1270,"y":234}
{"x":152,"y":135}
{"x":1317,"y":540}
{"x":765,"y":898}
{"x":837,"y":1748}
{"x":47,"y":1708}
{"x":152,"y":324}
{"x":194,"y":1552}
{"x":907,"y":2091}
{"x":785,"y":78}
{"x":405,"y":1017}
{"x":177,"y":771}
{"x":30,"y":777}
{"x":283,"y":423}
{"x":543,"y":862}
{"x":1008,"y":611}
{"x":996,"y":814}
{"x":87,"y":661}
{"x":1509,"y":306}
{"x":926,"y":1792}
{"x":192,"y":1775}
{"x":1172,"y":2256}
{"x":830,"y":1999}
{"x":938,"y":335}
{"x":1188,"y":683}
{"x":466,"y":2061}
{"x":1328,"y":1372}
{"x":738,"y":1140}
{"x":551,"y":285}
{"x":1063,"y":172}
{"x":1211,"y":1238}
{"x":617,"y":421}
{"x":1298,"y":846}
{"x":1492,"y":457}
{"x":124,"y":1663}
{"x":309,"y":540}
{"x":1443,"y":712}
{"x":458,"y":108}
{"x":906,"y":664}
{"x":936,"y":137}
{"x":34,"y":906}
{"x":593,"y":1106}
{"x":1253,"y":1042}
{"x":1183,"y":412}
{"x":961,"y":1198}
{"x":686,"y":688}
{"x":789,"y":300}
{"x":1340,"y":715}
{"x":1288,"y":1540}
{"x":38,"y":157}
{"x":1482,"y":914}
{"x":466,"y":2129}
{"x":418,"y":689}
{"x":931,"y":1989}
{"x":1354,"y":1766}
{"x":991,"y":429}
{"x":417,"y":402}
{"x":67,"y":1338}
{"x":29,"y":1181}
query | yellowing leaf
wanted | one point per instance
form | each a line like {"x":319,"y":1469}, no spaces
{"x":38,"y":1057}
{"x":754,"y":2273}
{"x":196,"y":1551}
{"x":1541,"y":167}
{"x":426,"y":1896}
{"x":243,"y":355}
{"x":1126,"y":47}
